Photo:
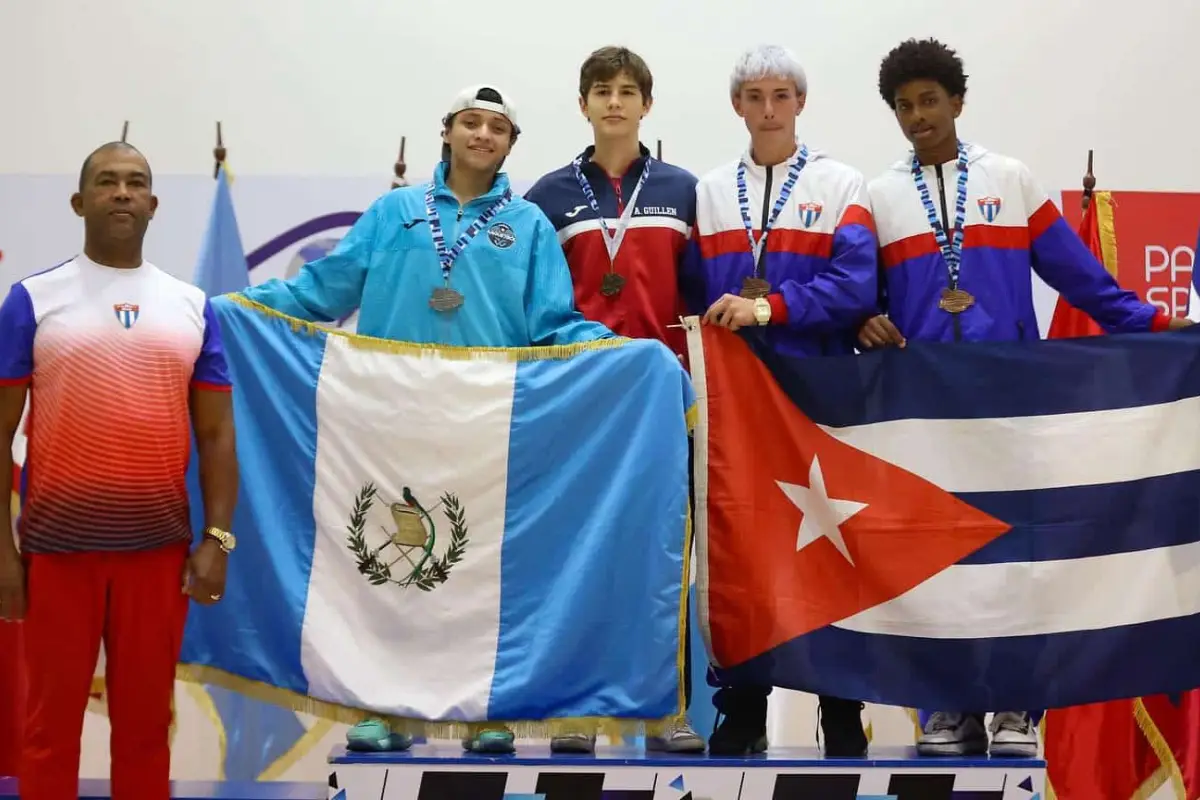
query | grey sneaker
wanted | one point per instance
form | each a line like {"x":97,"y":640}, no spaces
{"x":573,"y":743}
{"x":1013,"y":735}
{"x":676,"y":738}
{"x":952,"y":734}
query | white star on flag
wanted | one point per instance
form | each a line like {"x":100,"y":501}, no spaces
{"x":822,"y":514}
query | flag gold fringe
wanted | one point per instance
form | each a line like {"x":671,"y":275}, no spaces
{"x":447,"y":351}
{"x":1108,"y":230}
{"x":1162,"y":750}
{"x":1154,"y":783}
{"x":433,"y":729}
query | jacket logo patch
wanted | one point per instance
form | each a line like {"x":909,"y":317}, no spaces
{"x":989,"y":208}
{"x":502,"y":236}
{"x":809,"y":213}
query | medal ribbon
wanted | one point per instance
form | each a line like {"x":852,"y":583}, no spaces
{"x":952,"y":252}
{"x":793,"y":175}
{"x":612,"y":241}
{"x":448,"y":257}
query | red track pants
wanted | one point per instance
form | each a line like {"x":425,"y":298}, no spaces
{"x":133,"y":602}
{"x":12,"y":696}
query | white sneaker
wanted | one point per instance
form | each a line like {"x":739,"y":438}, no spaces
{"x":949,"y":733}
{"x":1013,"y":735}
{"x":680,"y":738}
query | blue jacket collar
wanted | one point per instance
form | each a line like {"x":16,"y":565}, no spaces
{"x":499,"y":186}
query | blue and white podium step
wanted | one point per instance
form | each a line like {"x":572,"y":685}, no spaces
{"x":445,"y":772}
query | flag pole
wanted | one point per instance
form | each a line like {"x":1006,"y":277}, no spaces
{"x":218,"y":153}
{"x":658,"y":152}
{"x":125,"y":132}
{"x":399,"y":168}
{"x":1089,"y":184}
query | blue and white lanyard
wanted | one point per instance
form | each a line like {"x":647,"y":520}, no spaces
{"x":612,"y":241}
{"x":448,"y":257}
{"x":744,"y":203}
{"x":952,"y":252}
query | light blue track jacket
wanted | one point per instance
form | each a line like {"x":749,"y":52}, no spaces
{"x":513,"y":275}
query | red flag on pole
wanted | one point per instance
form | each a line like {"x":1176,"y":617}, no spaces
{"x":1099,"y":750}
{"x":1124,"y":748}
{"x":1099,"y":233}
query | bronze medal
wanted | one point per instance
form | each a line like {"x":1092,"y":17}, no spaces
{"x":754,"y":288}
{"x":955,"y":301}
{"x":445,"y":299}
{"x":611,"y":284}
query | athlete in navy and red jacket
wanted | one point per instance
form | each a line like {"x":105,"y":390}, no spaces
{"x":615,"y":197}
{"x":623,"y":219}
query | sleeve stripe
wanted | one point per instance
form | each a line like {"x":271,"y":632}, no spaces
{"x":204,"y":386}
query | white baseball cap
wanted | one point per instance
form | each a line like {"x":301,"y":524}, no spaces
{"x":471,"y":98}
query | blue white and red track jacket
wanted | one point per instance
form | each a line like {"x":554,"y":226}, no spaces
{"x":1011,"y":227}
{"x":821,"y":258}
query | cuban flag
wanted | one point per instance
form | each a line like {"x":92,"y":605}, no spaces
{"x":956,"y":526}
{"x":450,"y":535}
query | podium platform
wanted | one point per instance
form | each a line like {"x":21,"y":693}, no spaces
{"x":445,"y":772}
{"x":93,"y":789}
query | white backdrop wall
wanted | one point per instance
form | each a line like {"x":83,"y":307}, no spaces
{"x":314,"y":96}
{"x":327,"y":87}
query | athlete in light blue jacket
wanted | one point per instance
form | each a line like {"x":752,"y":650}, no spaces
{"x":509,"y":284}
{"x":458,"y":261}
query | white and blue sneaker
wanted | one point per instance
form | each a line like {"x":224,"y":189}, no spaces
{"x":1013,"y":735}
{"x":949,"y":733}
{"x":679,"y":737}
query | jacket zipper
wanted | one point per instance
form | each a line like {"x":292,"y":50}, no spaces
{"x":941,"y":180}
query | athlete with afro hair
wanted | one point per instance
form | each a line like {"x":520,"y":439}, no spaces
{"x":961,"y":232}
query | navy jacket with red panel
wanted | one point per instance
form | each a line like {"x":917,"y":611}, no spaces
{"x":650,"y":254}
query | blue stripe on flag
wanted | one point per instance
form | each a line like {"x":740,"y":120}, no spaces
{"x":1041,"y":671}
{"x":983,"y":380}
{"x":1085,"y":521}
{"x":266,"y":590}
{"x":580,"y":585}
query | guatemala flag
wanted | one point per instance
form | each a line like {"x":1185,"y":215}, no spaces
{"x":446,"y":535}
{"x":955,"y":526}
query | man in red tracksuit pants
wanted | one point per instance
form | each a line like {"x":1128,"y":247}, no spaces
{"x":122,"y":363}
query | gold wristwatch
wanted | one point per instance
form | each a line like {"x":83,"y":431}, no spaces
{"x":762,"y":311}
{"x":225,"y":539}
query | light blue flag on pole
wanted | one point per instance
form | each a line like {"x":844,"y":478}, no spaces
{"x":441,"y":535}
{"x":256,"y":733}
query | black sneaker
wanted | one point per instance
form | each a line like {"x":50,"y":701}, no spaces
{"x":741,"y":723}
{"x":841,"y":724}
